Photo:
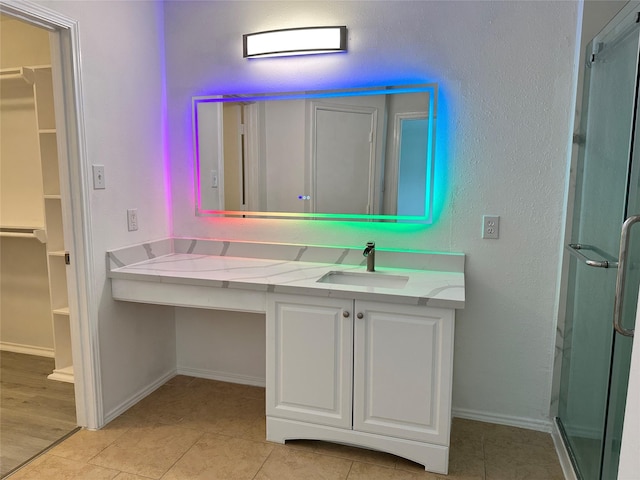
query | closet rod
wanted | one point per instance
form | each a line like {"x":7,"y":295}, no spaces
{"x":37,"y":233}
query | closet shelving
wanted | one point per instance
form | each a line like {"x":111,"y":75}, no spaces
{"x":40,"y":77}
{"x":18,"y":74}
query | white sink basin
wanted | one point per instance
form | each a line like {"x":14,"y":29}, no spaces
{"x":368,"y":279}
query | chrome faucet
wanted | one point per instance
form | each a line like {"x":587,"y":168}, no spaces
{"x":370,"y":253}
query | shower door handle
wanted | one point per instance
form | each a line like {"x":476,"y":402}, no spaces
{"x":574,"y":249}
{"x":622,"y":276}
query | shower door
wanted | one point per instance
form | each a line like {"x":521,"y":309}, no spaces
{"x":595,"y":362}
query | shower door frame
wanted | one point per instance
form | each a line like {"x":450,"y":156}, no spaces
{"x":632,"y":7}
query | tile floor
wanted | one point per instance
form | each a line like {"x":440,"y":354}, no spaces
{"x":192,"y":428}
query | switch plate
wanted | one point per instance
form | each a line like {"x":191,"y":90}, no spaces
{"x":214,"y":179}
{"x":99,"y":182}
{"x":132,"y":219}
{"x":491,"y":227}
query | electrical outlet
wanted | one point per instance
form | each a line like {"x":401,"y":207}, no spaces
{"x":99,"y":182}
{"x":490,"y":226}
{"x":132,"y":219}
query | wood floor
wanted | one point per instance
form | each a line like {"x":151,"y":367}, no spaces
{"x":34,"y":412}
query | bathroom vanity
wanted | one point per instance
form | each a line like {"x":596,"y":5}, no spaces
{"x":355,"y":357}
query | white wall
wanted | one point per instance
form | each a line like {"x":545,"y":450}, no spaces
{"x":506,"y":71}
{"x":122,"y":51}
{"x":629,"y":459}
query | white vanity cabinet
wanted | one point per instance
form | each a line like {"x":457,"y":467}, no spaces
{"x":310,"y":359}
{"x":365,"y":373}
{"x":367,"y":363}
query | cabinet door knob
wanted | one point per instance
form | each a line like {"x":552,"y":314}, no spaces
{"x":345,"y":314}
{"x":360,"y":315}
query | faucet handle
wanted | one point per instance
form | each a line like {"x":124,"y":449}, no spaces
{"x":370,"y":246}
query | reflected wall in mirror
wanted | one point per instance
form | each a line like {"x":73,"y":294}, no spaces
{"x":358,"y":154}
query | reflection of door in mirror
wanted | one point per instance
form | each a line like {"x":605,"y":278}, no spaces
{"x":343,"y":158}
{"x":233,"y":157}
{"x":209,"y":145}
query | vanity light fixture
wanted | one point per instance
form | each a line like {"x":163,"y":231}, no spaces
{"x":294,"y":41}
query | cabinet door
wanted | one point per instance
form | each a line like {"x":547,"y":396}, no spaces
{"x":310,"y":359}
{"x":402,"y":371}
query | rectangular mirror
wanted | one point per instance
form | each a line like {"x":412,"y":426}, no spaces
{"x":359,"y":154}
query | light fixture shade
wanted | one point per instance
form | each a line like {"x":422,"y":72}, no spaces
{"x":295,"y":41}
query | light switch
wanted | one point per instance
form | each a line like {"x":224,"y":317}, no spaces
{"x":132,"y":219}
{"x":99,"y":182}
{"x":214,"y":179}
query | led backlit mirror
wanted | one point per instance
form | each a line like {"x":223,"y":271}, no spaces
{"x":359,"y":154}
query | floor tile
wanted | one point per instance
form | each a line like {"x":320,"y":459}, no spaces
{"x":84,"y":444}
{"x":508,"y":460}
{"x":224,"y":390}
{"x":524,"y":472}
{"x":148,"y":451}
{"x":518,"y":435}
{"x":179,"y":381}
{"x":129,"y":476}
{"x":257,"y":430}
{"x":292,"y":464}
{"x":367,"y":471}
{"x":166,"y":405}
{"x":503,"y":450}
{"x":219,"y":457}
{"x":50,"y":467}
{"x":225,"y":417}
{"x":194,"y":428}
{"x":467,"y":437}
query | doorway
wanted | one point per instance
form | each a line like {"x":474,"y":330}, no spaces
{"x":596,"y":358}
{"x":38,"y":400}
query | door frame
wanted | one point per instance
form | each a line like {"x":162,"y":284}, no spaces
{"x":74,"y":185}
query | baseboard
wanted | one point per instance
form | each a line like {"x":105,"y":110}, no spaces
{"x":563,"y":454}
{"x":222,"y":376}
{"x":62,"y":374}
{"x":27,"y":349}
{"x":511,"y":421}
{"x":131,"y":401}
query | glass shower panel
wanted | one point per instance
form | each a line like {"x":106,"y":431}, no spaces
{"x":600,"y":208}
{"x":624,"y":345}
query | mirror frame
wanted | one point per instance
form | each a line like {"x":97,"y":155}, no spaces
{"x":427,"y":218}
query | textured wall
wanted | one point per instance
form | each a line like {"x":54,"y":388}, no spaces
{"x":506,"y":75}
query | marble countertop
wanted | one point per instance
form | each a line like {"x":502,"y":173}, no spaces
{"x":445,"y":289}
